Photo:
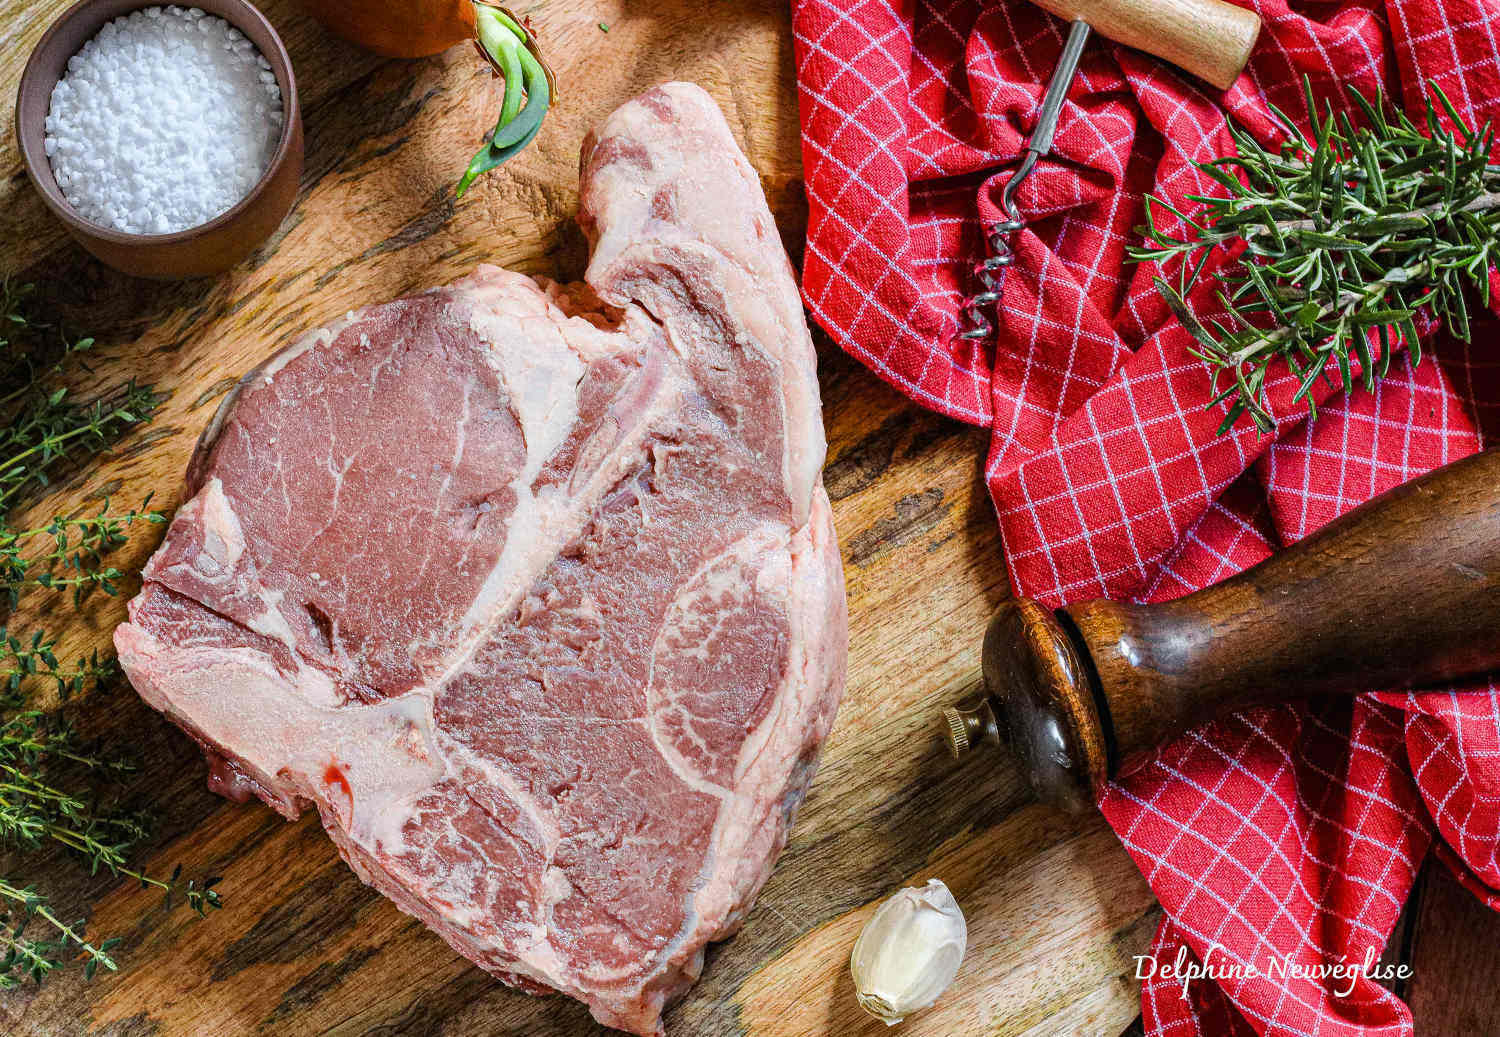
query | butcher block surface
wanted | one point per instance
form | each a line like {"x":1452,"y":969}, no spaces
{"x":1055,"y":907}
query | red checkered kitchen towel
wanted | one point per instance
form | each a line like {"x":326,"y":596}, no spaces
{"x":1291,"y":834}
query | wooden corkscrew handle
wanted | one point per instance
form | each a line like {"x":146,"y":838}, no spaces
{"x":1403,"y":591}
{"x":1211,"y":39}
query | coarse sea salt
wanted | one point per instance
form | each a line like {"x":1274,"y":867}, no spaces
{"x":164,"y":120}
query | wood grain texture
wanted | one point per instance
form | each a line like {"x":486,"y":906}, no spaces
{"x":1056,"y":907}
{"x":1454,"y":958}
{"x":1212,"y":39}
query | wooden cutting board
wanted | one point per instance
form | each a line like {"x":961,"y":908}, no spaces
{"x":1055,"y":907}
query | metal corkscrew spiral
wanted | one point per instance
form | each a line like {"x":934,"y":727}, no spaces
{"x":990,"y":273}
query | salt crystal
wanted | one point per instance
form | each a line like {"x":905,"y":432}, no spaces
{"x":164,"y":120}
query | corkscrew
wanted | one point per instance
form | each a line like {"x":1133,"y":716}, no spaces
{"x":1001,"y":235}
{"x":1210,"y":38}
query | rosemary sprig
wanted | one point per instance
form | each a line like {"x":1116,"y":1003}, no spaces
{"x":44,"y":431}
{"x":1333,"y":243}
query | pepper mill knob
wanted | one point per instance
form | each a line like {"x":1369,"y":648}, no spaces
{"x":968,"y":726}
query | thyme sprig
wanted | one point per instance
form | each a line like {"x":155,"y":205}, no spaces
{"x":35,"y":656}
{"x":74,"y":559}
{"x":25,"y":362}
{"x":25,"y":956}
{"x":1334,"y":243}
{"x":52,"y":430}
{"x":45,"y":430}
{"x":35,"y":811}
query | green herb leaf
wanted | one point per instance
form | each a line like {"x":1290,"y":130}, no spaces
{"x":46,"y":430}
{"x":1350,"y":228}
{"x":512,"y":52}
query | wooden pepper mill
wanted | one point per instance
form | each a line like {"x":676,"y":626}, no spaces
{"x":1401,"y":592}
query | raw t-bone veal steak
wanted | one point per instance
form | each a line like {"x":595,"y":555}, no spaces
{"x":532,"y":590}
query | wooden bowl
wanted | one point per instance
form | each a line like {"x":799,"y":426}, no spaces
{"x":208,"y":248}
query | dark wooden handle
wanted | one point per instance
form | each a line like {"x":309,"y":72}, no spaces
{"x":1403,"y":591}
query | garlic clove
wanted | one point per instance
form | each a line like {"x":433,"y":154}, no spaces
{"x":908,"y":952}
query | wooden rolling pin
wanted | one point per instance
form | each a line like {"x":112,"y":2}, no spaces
{"x":1403,"y":591}
{"x":1212,"y":39}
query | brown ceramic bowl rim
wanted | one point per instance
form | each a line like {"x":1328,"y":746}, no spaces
{"x":35,"y":158}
